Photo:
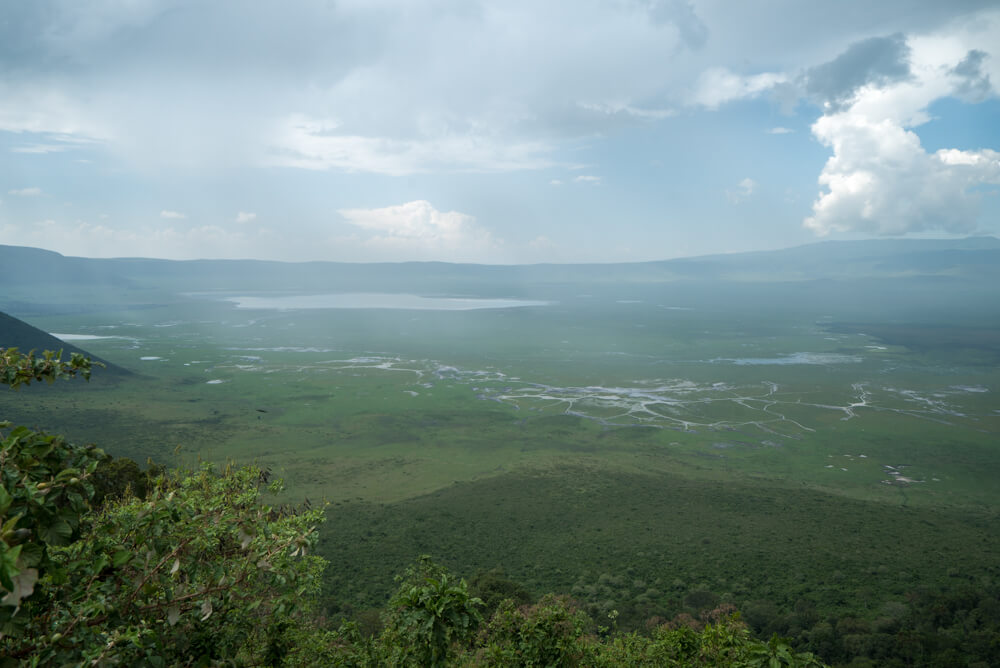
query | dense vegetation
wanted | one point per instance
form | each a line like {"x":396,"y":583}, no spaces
{"x":199,"y":571}
{"x":103,"y":563}
{"x":847,"y":581}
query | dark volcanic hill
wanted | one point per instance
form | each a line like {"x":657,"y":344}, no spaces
{"x":18,"y":334}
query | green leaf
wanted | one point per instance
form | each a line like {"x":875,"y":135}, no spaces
{"x":11,"y":523}
{"x":5,"y":500}
{"x":31,"y":554}
{"x":57,"y":533}
{"x":10,"y":565}
{"x":100,"y":564}
{"x":8,"y":568}
{"x":120,"y":558}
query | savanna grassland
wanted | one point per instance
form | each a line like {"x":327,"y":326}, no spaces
{"x":811,"y":451}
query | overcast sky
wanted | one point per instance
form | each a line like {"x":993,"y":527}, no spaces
{"x":502,"y":131}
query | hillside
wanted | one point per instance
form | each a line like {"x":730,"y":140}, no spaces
{"x":18,"y":334}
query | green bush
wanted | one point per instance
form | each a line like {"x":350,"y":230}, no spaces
{"x":430,"y":613}
{"x":553,"y":632}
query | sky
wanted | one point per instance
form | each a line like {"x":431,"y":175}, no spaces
{"x":508,"y":131}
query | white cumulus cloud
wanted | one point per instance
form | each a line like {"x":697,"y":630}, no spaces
{"x":177,"y":215}
{"x":417,"y":229}
{"x":880,"y":179}
{"x":245,"y":217}
{"x":25,"y":192}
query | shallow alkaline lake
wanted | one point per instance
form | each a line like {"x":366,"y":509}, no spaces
{"x":374,"y":300}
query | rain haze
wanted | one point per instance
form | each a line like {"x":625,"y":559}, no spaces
{"x":493,"y":132}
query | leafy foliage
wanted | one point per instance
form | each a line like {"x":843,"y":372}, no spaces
{"x":493,"y":587}
{"x":121,"y":477}
{"x":727,"y":642}
{"x":430,"y":612}
{"x":18,"y":369}
{"x":44,"y":487}
{"x":550,"y":633}
{"x":198,"y":572}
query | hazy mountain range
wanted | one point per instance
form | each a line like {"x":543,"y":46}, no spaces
{"x":973,"y":258}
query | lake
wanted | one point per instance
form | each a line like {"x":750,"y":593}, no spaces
{"x":376,"y":300}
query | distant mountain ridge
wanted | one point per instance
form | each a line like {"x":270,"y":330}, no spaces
{"x":971,"y":258}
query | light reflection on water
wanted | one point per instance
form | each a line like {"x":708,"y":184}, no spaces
{"x":793,"y":358}
{"x":376,"y":300}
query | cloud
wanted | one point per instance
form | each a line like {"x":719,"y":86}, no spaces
{"x":396,"y":88}
{"x":55,"y":143}
{"x":682,"y":15}
{"x":412,"y":231}
{"x":245,"y":217}
{"x":626,"y":110}
{"x":743,"y":190}
{"x":384,"y":73}
{"x":779,"y":131}
{"x":975,"y":85}
{"x":417,"y":229}
{"x":316,"y":143}
{"x":26,"y":192}
{"x":83,"y":238}
{"x":874,"y":61}
{"x":53,"y":110}
{"x":880,"y":180}
{"x":718,"y":85}
{"x":376,"y":86}
{"x":172,"y":214}
{"x":588,"y":178}
{"x":40,"y":148}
